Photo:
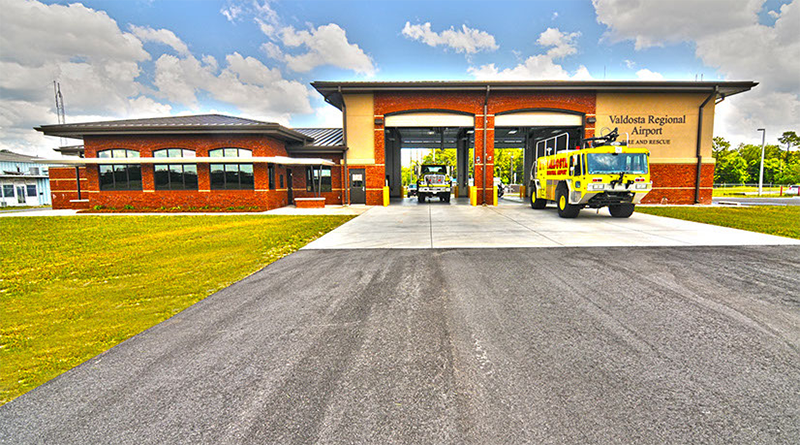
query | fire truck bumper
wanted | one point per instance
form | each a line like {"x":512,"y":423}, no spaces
{"x":434,"y":190}
{"x":603,"y":199}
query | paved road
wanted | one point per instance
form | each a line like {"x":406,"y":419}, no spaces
{"x":657,"y":345}
{"x":760,"y":201}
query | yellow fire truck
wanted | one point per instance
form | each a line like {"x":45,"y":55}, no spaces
{"x":605,"y":173}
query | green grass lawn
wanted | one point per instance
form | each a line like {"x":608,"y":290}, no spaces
{"x":773,"y":220}
{"x":767,"y":192}
{"x":72,"y":287}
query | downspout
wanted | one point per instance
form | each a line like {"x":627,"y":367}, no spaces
{"x":485,"y":126}
{"x":78,"y":180}
{"x":699,"y":143}
{"x":346,"y":176}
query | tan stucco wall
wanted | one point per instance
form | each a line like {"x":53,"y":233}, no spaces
{"x":360,"y":109}
{"x":673,"y":142}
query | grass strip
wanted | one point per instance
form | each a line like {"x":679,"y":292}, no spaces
{"x":772,"y":220}
{"x":72,"y":287}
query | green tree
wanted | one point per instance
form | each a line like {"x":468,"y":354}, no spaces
{"x":720,"y":144}
{"x":731,"y":169}
{"x":443,"y":157}
{"x":503,"y":168}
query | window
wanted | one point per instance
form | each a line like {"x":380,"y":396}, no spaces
{"x":271,"y":171}
{"x":313,"y":179}
{"x":31,"y":190}
{"x":8,"y":191}
{"x":616,"y":163}
{"x":120,"y":176}
{"x":175,"y":176}
{"x":231,"y":176}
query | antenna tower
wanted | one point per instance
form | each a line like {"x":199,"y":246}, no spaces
{"x":59,"y":103}
{"x":62,"y":119}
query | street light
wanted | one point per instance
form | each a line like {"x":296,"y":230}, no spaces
{"x":761,"y":169}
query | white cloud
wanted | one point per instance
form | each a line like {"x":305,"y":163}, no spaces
{"x":541,"y":66}
{"x":465,"y":40}
{"x":563,"y":44}
{"x":328,"y":116}
{"x":657,"y":23}
{"x":324,"y":45}
{"x":255,"y":89}
{"x":630,"y":64}
{"x":163,"y":36}
{"x":646,"y":74}
{"x":727,"y":36}
{"x":232,"y":12}
{"x":100,"y":68}
{"x":85,"y":50}
{"x":774,"y":14}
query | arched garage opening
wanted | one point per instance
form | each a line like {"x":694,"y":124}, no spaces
{"x":529,"y":134}
{"x":428,"y":130}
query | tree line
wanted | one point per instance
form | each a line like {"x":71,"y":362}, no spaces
{"x":741,"y":164}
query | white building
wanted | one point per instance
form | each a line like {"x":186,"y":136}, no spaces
{"x":22,"y":181}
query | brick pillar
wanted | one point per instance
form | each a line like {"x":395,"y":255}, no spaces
{"x":488,"y":162}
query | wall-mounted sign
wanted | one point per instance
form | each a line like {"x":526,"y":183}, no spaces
{"x":647,"y":130}
{"x":358,"y":177}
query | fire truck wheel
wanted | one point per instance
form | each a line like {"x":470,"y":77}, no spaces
{"x":565,"y":209}
{"x":421,"y":198}
{"x":446,"y":198}
{"x":537,"y":203}
{"x":621,"y":210}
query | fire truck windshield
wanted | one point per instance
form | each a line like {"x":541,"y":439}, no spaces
{"x":433,"y":169}
{"x":598,"y":163}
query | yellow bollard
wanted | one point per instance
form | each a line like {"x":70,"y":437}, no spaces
{"x":385,"y":196}
{"x":494,"y":196}
{"x":455,"y":191}
{"x":473,"y":195}
{"x":522,"y":191}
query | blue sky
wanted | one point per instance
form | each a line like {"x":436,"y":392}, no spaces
{"x":122,"y":59}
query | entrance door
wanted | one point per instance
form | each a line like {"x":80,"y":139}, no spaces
{"x":358,"y":186}
{"x":21,"y":194}
{"x":289,"y":191}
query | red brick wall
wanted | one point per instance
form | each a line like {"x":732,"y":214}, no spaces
{"x":675,"y":184}
{"x":472,"y":102}
{"x":261,"y":197}
{"x":63,"y":187}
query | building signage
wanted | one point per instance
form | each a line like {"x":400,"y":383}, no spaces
{"x":647,"y":130}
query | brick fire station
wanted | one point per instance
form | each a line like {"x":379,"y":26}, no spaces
{"x":231,"y":162}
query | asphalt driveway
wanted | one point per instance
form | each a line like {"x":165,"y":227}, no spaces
{"x":552,"y":345}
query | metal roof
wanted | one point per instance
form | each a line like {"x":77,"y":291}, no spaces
{"x":332,"y":90}
{"x":10,"y":156}
{"x":71,"y":150}
{"x":323,"y":137}
{"x":197,"y":124}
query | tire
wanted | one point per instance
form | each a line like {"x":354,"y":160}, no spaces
{"x":421,"y":198}
{"x":565,"y":209}
{"x":446,"y":198}
{"x":622,"y":210}
{"x":537,"y":203}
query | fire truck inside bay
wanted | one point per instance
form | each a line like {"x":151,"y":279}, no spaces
{"x":605,"y":173}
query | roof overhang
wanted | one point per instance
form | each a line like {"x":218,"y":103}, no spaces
{"x":79,"y":131}
{"x":314,"y":150}
{"x":281,"y":160}
{"x":333,"y":91}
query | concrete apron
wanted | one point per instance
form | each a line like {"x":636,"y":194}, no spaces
{"x":451,"y":226}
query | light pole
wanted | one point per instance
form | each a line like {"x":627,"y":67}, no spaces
{"x":761,"y":169}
